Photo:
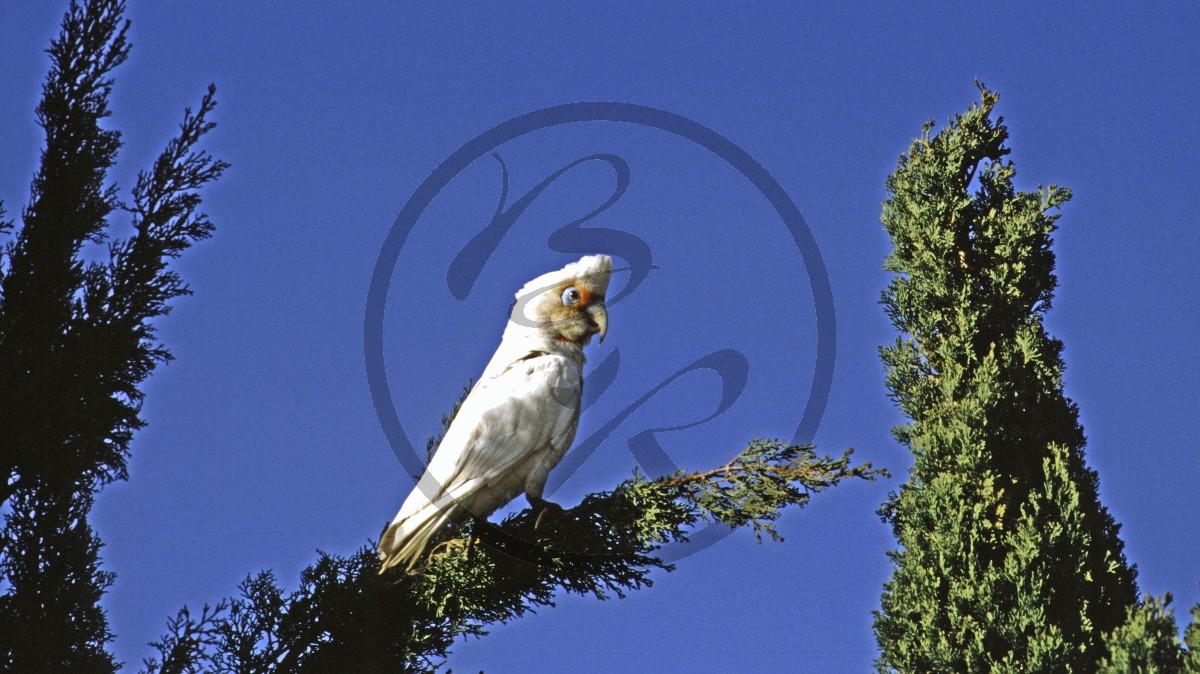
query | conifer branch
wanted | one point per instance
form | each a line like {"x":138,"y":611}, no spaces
{"x":482,"y":573}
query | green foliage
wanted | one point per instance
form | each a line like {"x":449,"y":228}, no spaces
{"x":1191,"y":639}
{"x":754,"y":487}
{"x":347,"y":617}
{"x":1008,"y":562}
{"x":77,"y":342}
{"x":1148,"y":642}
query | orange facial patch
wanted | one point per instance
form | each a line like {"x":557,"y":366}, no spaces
{"x":585,"y":295}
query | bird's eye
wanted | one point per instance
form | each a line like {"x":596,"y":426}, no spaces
{"x":570,"y":296}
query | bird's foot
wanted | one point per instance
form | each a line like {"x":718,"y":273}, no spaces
{"x":545,"y":510}
{"x":446,"y":547}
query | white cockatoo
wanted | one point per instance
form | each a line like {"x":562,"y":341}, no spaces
{"x":518,"y":420}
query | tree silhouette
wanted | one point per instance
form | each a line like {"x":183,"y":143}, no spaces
{"x":77,"y":341}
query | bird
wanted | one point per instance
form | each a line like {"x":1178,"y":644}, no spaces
{"x":518,"y":420}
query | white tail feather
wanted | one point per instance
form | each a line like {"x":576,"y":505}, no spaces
{"x":406,"y":540}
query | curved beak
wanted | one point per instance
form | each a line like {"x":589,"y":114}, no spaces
{"x":599,"y":316}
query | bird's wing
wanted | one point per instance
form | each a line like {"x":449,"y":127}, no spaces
{"x":502,"y":430}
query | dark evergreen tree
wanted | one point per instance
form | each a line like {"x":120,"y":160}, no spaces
{"x":1007,"y":561}
{"x":76,"y":342}
{"x":50,"y":617}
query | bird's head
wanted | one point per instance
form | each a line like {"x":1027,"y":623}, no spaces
{"x":568,"y":304}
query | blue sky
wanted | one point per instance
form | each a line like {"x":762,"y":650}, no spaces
{"x":264,"y":445}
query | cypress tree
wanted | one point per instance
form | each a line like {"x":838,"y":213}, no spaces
{"x":1148,"y":642}
{"x":77,"y":341}
{"x":1007,"y":561}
